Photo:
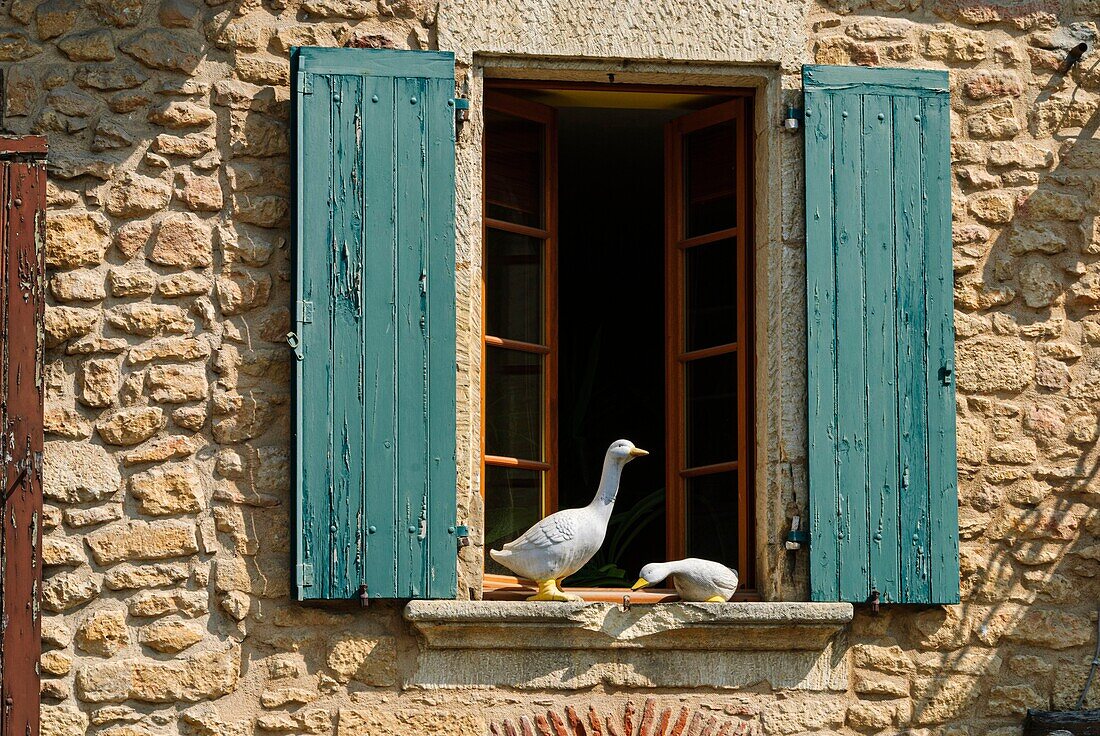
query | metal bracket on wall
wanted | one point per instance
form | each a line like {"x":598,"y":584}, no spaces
{"x":796,"y":537}
{"x":462,"y":112}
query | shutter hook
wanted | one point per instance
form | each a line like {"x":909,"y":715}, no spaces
{"x":873,"y":600}
{"x":364,"y":599}
{"x":295,"y":344}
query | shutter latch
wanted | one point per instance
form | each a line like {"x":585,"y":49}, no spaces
{"x":295,"y":344}
{"x":946,"y":372}
{"x":462,"y":533}
{"x":796,"y":537}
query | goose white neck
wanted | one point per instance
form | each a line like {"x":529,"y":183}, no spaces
{"x":609,"y":484}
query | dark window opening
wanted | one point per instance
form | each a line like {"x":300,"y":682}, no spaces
{"x":616,"y":305}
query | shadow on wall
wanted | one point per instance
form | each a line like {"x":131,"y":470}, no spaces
{"x":1027,"y":297}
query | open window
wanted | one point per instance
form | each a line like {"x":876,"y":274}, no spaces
{"x":617,"y":303}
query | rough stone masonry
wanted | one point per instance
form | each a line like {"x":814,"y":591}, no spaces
{"x":167,"y":458}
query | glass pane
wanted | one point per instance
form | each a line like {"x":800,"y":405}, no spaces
{"x":710,"y":283}
{"x":513,"y":304}
{"x":710,"y":179}
{"x":513,"y":404}
{"x":712,"y":518}
{"x":513,"y":502}
{"x":711,"y":396}
{"x":513,"y":169}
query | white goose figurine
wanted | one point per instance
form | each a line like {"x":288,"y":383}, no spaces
{"x":563,"y":542}
{"x":697,"y":580}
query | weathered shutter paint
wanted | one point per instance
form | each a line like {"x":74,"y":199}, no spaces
{"x":375,"y":384}
{"x":22,"y":304}
{"x":880,"y":338}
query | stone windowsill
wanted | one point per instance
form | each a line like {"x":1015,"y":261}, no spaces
{"x":670,"y":626}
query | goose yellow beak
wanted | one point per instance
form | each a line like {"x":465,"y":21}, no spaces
{"x":642,"y":582}
{"x":638,"y":452}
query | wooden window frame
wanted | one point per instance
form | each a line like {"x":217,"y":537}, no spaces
{"x":677,"y":356}
{"x":510,"y":587}
{"x":548,"y":348}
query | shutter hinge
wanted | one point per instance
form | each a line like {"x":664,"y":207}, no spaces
{"x":946,"y":372}
{"x":305,"y":575}
{"x":305,"y":83}
{"x":305,"y":312}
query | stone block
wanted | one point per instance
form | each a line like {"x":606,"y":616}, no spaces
{"x":371,"y":660}
{"x":177,"y":384}
{"x":139,"y":540}
{"x":103,"y":633}
{"x":130,"y":425}
{"x":75,"y":239}
{"x":66,"y":590}
{"x":183,"y":240}
{"x":78,"y":472}
{"x":165,"y":490}
{"x":98,"y":381}
{"x":170,"y":637}
{"x":150,"y":320}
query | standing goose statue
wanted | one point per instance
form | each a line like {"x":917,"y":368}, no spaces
{"x":697,"y":580}
{"x":563,"y":542}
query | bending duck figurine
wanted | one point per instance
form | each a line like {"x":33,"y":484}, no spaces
{"x":696,"y":580}
{"x":563,"y":542}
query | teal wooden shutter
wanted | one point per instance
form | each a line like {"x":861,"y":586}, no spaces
{"x":375,"y":387}
{"x":882,"y":466}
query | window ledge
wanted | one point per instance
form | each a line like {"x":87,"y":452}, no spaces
{"x":675,"y":626}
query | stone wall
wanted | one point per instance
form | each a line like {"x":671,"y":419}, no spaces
{"x":168,"y":490}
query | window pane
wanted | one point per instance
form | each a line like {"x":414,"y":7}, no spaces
{"x":513,"y":404}
{"x":513,"y":304}
{"x":712,"y":518}
{"x":710,"y":282}
{"x":710,"y":179}
{"x":513,"y":169}
{"x":711,"y":397}
{"x":513,"y":502}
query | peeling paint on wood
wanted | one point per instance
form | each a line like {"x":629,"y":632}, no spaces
{"x":883,"y":497}
{"x":376,"y":386}
{"x":22,"y":280}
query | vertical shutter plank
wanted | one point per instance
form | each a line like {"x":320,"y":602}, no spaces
{"x":882,"y":398}
{"x":315,"y":369}
{"x":347,"y":332}
{"x":851,"y":372}
{"x":912,"y":348}
{"x":442,"y":572}
{"x":943,"y":506}
{"x":380,"y":351}
{"x":821,"y":348}
{"x":412,"y":341}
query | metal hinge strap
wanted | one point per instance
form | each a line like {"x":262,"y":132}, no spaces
{"x":305,"y":312}
{"x":305,"y":575}
{"x":305,"y":83}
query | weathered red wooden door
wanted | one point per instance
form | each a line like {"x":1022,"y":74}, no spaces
{"x":22,"y":266}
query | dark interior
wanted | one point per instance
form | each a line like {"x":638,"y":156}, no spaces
{"x":611,"y":380}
